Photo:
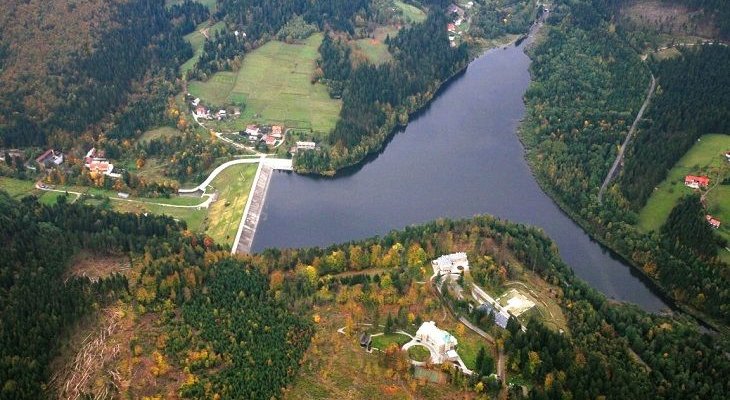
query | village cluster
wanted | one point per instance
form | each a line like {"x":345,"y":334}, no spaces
{"x":94,"y":161}
{"x":271,"y":135}
{"x":201,"y":112}
{"x":459,"y":17}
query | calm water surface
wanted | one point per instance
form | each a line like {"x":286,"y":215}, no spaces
{"x":458,"y":158}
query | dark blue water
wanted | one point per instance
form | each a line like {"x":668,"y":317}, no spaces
{"x":458,"y":158}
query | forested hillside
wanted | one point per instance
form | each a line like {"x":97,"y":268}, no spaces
{"x":692,"y":101}
{"x":258,"y":21}
{"x":184,"y":282}
{"x":376,"y":98}
{"x":67,"y":66}
{"x":588,"y":86}
{"x":608,"y":350}
{"x":38,"y":302}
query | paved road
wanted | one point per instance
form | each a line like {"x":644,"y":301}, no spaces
{"x":218,"y":170}
{"x":204,"y":204}
{"x":620,"y":157}
{"x":220,"y":136}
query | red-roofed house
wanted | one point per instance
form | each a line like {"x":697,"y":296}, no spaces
{"x":103,"y":167}
{"x":269,"y":140}
{"x":451,"y":28}
{"x":715,"y":223}
{"x":50,"y":157}
{"x":276,"y":131}
{"x":202,"y":112}
{"x":696,"y":182}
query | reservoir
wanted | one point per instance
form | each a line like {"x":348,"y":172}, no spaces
{"x":458,"y":158}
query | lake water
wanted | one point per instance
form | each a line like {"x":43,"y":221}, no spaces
{"x":460,"y":157}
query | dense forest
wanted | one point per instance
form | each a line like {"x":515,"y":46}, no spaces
{"x":692,"y":102}
{"x":686,"y":229}
{"x":38,"y":301}
{"x":497,"y":18}
{"x":588,"y":85}
{"x":41,"y":302}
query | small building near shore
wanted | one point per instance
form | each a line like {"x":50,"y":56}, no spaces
{"x":269,"y":140}
{"x":277,"y":131}
{"x":455,"y":263}
{"x":202,"y":112}
{"x":252,"y":130}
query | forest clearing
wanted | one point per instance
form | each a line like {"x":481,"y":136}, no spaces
{"x":196,"y":40}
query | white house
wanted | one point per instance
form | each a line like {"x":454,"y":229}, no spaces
{"x":306,"y":145}
{"x":448,"y":264}
{"x":252,"y":130}
{"x":195,"y":102}
{"x":438,"y":340}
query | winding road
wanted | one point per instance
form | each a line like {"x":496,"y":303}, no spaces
{"x":204,"y":204}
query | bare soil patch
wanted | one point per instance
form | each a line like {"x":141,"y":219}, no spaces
{"x":672,"y":18}
{"x":95,"y":266}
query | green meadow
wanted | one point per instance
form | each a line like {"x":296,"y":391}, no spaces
{"x":274,"y":84}
{"x":704,"y":158}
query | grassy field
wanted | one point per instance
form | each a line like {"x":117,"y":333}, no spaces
{"x":374,"y":49}
{"x":233,"y":186}
{"x":208,"y":3}
{"x":20,"y":188}
{"x":192,"y":216}
{"x":410,"y":12}
{"x":158,"y":133}
{"x":17,"y":187}
{"x":274,"y":83}
{"x":704,"y":158}
{"x":419,"y":353}
{"x":196,"y":40}
{"x":383,"y":341}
